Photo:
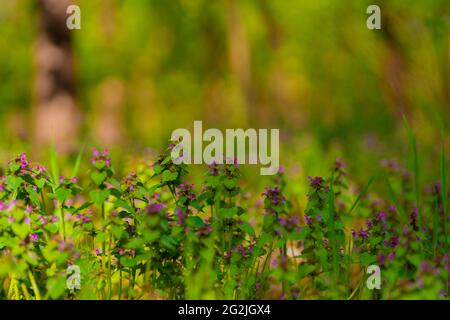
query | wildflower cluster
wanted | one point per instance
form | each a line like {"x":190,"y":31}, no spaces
{"x":153,"y":234}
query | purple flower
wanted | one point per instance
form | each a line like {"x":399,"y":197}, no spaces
{"x":97,"y":156}
{"x":308,"y":219}
{"x":382,"y":216}
{"x":43,"y":220}
{"x":364,"y":234}
{"x":381,"y":259}
{"x":274,"y":195}
{"x":391,"y":256}
{"x":61,"y":246}
{"x":95,"y":152}
{"x":339,"y":164}
{"x":394,"y":242}
{"x":34,"y":237}
{"x":405,"y":230}
{"x":413,"y":218}
{"x":437,"y":187}
{"x":181,"y":215}
{"x":315,"y":182}
{"x":153,"y":208}
{"x":274,"y":263}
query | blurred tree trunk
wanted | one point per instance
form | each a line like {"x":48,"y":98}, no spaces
{"x":394,"y":70}
{"x":55,"y":113}
{"x":240,"y":59}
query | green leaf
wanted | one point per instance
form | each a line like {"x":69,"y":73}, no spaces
{"x":21,"y":230}
{"x":248,"y":229}
{"x":98,"y":177}
{"x":304,"y":270}
{"x":62,"y":194}
{"x":14,"y":166}
{"x":33,"y":196}
{"x":230,"y":183}
{"x":56,"y":287}
{"x":119,"y":203}
{"x":13,"y":182}
{"x":169,"y":243}
{"x":52,"y":227}
{"x":169,"y":176}
{"x":118,"y":232}
{"x":101,"y":236}
{"x":40,"y":182}
{"x":195,"y":221}
{"x":98,"y":196}
{"x":127,"y":262}
{"x":228,"y":212}
{"x":100,"y":164}
{"x":367,"y":258}
{"x":158,"y":169}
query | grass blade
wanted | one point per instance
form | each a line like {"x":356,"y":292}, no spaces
{"x":331,"y":227}
{"x":394,"y":199}
{"x":77,"y":162}
{"x":362,"y":193}
{"x":413,"y":144}
{"x":54,"y":163}
{"x":444,"y":188}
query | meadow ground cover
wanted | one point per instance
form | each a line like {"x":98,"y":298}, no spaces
{"x":152,"y":234}
{"x":356,"y":189}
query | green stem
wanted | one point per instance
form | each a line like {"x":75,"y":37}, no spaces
{"x":435,"y":226}
{"x":37,"y":294}
{"x":120,"y":284}
{"x":109,"y":267}
{"x":63,"y":221}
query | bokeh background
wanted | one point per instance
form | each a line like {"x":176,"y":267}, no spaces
{"x":139,"y":69}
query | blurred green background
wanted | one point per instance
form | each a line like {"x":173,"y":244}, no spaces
{"x":139,"y":69}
